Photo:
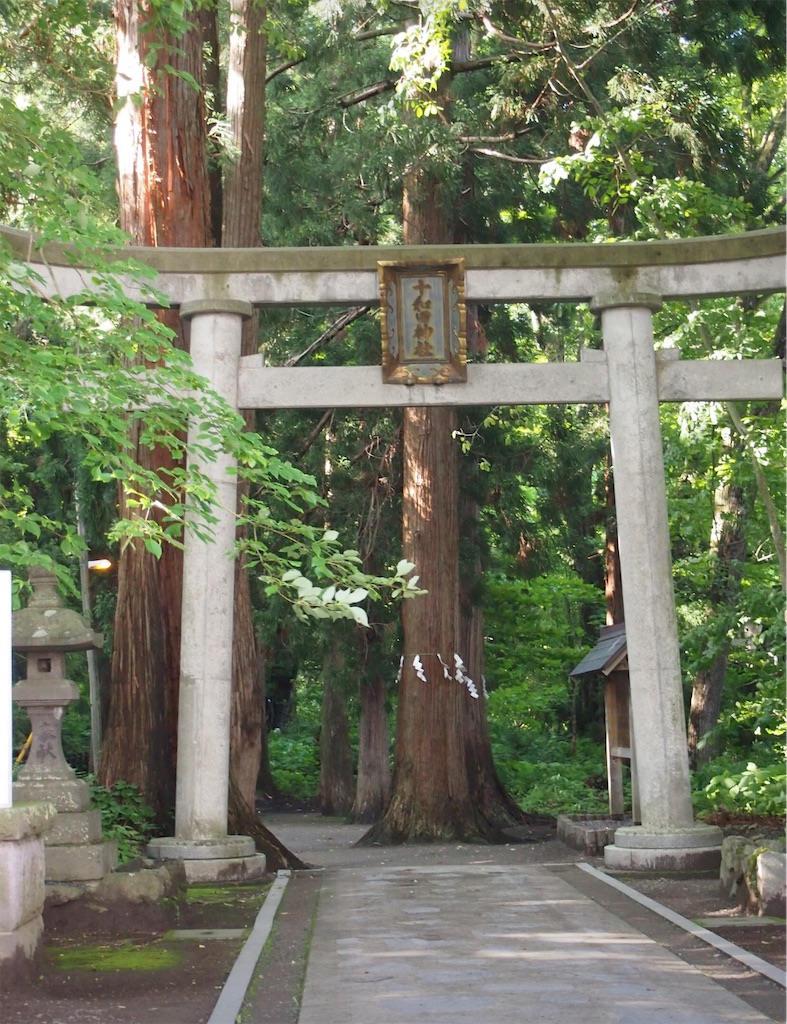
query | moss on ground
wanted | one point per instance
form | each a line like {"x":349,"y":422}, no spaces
{"x":126,"y":956}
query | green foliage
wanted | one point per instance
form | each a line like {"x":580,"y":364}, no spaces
{"x":535,"y":636}
{"x":546,"y":774}
{"x":741,"y":787}
{"x":295,"y":762}
{"x":124,"y":816}
{"x":294,"y":750}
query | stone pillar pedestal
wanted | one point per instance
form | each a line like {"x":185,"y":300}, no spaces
{"x":638,"y":848}
{"x":667,"y":837}
{"x":22,"y":877}
{"x":205,"y":701}
{"x":228,"y":859}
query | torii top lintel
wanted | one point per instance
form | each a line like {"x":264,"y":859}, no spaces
{"x":751,"y":263}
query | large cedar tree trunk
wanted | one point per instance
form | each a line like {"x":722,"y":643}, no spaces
{"x":488,"y":791}
{"x":432,"y":794}
{"x":170,"y":196}
{"x":163,"y":192}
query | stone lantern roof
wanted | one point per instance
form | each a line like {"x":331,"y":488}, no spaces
{"x":45,"y":624}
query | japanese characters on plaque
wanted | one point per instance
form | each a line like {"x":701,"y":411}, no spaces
{"x":423,"y":322}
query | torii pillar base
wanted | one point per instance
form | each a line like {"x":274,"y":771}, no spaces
{"x":694,"y":848}
{"x":229,"y":859}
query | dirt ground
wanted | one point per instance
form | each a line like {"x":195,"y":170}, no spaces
{"x":132,"y":966}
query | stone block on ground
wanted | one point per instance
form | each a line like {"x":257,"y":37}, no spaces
{"x":226,"y":869}
{"x":21,"y":951}
{"x":589,"y":833}
{"x":735,"y":853}
{"x":771,"y":883}
{"x":756,"y":873}
{"x":147,"y":885}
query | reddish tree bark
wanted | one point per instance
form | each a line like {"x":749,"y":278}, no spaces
{"x":373,"y":783}
{"x":163,"y":192}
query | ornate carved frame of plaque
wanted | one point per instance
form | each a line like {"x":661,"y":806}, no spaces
{"x":424,"y":322}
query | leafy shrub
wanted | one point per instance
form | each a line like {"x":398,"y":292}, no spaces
{"x":124,"y":816}
{"x":741,"y":787}
{"x":295,"y":762}
{"x":548,"y":777}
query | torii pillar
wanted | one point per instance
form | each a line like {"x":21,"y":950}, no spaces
{"x":668,"y":837}
{"x":205,"y":696}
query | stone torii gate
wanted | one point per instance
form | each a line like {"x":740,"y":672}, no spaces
{"x":624,"y":283}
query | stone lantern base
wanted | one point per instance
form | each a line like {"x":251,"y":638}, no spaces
{"x":74,"y":849}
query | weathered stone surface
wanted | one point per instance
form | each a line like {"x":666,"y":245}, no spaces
{"x":67,"y":794}
{"x":148,"y":885}
{"x":590,"y":833}
{"x":23,"y":820}
{"x":21,"y":882}
{"x":772,"y":883}
{"x":756,"y":871}
{"x":75,"y":827}
{"x":57,"y":894}
{"x":735,"y":852}
{"x":682,"y":858}
{"x":171,"y":848}
{"x":80,"y":862}
{"x":20,"y":954}
{"x":690,"y":837}
{"x":226,"y":869}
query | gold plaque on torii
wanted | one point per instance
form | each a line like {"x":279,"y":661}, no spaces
{"x":423,"y":322}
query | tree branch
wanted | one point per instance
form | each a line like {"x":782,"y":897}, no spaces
{"x":521,"y":44}
{"x":323,"y":422}
{"x":483,"y":151}
{"x":283,"y":67}
{"x":336,"y":328}
{"x":456,"y":68}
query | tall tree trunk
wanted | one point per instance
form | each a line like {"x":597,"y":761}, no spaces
{"x":728,"y":546}
{"x":336,"y":787}
{"x":163,"y":191}
{"x":265,"y":781}
{"x":432,"y":794}
{"x":431,"y":797}
{"x":170,"y":196}
{"x":373,"y":784}
{"x":487,"y":789}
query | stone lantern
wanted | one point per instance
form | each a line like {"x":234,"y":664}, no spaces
{"x":46,"y":631}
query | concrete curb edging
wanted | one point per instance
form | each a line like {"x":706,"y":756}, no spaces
{"x":232,"y":995}
{"x":723,"y":945}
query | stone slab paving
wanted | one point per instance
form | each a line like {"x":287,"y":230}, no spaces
{"x":483,"y":944}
